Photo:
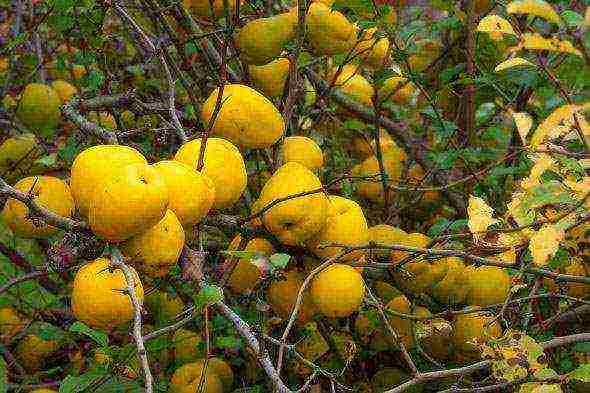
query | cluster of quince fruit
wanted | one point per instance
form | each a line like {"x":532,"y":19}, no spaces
{"x":147,"y":209}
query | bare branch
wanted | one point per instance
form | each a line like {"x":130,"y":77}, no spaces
{"x":117,"y":262}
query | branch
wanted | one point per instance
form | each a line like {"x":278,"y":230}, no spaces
{"x":105,"y":102}
{"x":171,"y":328}
{"x":244,"y":329}
{"x":117,"y":262}
{"x":456,"y":372}
{"x":25,"y":277}
{"x":49,"y":217}
{"x":87,"y":126}
{"x":393,"y":333}
{"x":205,"y":44}
{"x":246,"y":332}
{"x":171,"y":100}
{"x":151,"y":48}
{"x":469,"y":92}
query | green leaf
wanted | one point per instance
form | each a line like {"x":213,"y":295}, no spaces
{"x":70,"y":150}
{"x":74,"y":384}
{"x":572,"y":19}
{"x":100,"y":338}
{"x":353,"y":124}
{"x":279,"y":261}
{"x":545,"y":374}
{"x":438,"y":227}
{"x":49,"y":332}
{"x":582,"y":373}
{"x":63,"y":5}
{"x":208,"y":295}
{"x":247,"y":255}
{"x":446,"y":159}
{"x":229,"y":342}
{"x":47,"y":161}
{"x":190,"y":49}
{"x":582,"y":347}
{"x":95,"y":80}
{"x":3,"y":375}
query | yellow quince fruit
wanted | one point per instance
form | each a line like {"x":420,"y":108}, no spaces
{"x":470,"y":327}
{"x":397,"y":89}
{"x":298,"y":218}
{"x":156,"y":250}
{"x":187,"y":379}
{"x":95,"y":164}
{"x":329,"y":32}
{"x":64,"y":90}
{"x":246,"y":118}
{"x":270,"y":78}
{"x":191,"y":193}
{"x":346,"y":225}
{"x":487,"y":285}
{"x":282,"y":296}
{"x":32,"y":350}
{"x":245,"y":274}
{"x":99,"y":298}
{"x":302,"y":150}
{"x":49,"y":192}
{"x":18,"y":155}
{"x":38,"y":109}
{"x":372,"y":49}
{"x":262,"y":40}
{"x":372,"y":188}
{"x":223,"y":164}
{"x":386,"y":235}
{"x":338,"y":290}
{"x":208,"y":9}
{"x":353,"y":84}
{"x":128,"y":203}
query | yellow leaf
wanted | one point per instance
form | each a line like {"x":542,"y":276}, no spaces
{"x":509,"y":239}
{"x":538,"y":8}
{"x":514,"y":62}
{"x":544,"y":244}
{"x":506,"y":256}
{"x":313,"y":345}
{"x":523,"y":122}
{"x":552,"y":388}
{"x":579,"y":189}
{"x":495,"y":24}
{"x":534,"y":41}
{"x":558,"y":131}
{"x":553,"y":120}
{"x":587,"y":17}
{"x":480,"y":215}
{"x":543,"y":162}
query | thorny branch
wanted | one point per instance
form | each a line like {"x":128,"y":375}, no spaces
{"x":49,"y":217}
